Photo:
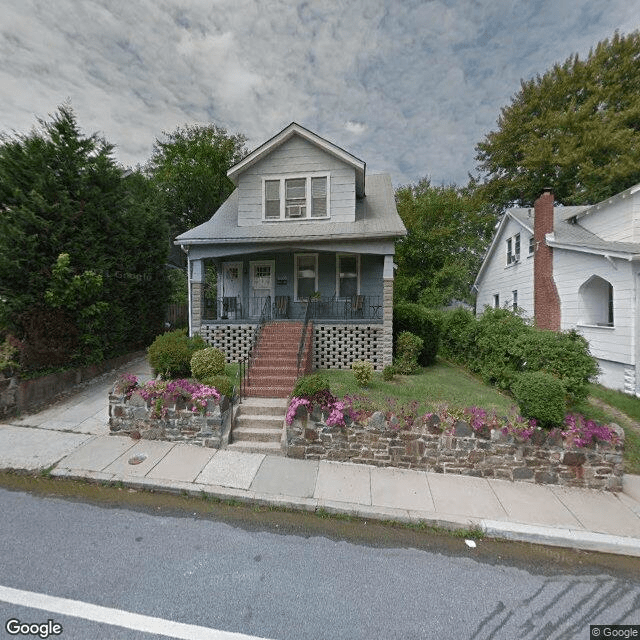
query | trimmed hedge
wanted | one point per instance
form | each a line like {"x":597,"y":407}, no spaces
{"x":408,"y":349}
{"x":170,"y":353}
{"x":540,"y":396}
{"x":500,"y":345}
{"x":206,"y":363}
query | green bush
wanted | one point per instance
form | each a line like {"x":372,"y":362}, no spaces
{"x":408,"y":348}
{"x":388,"y":373}
{"x":565,"y":355}
{"x":540,"y":396}
{"x":423,"y":322}
{"x":310,"y":386}
{"x":459,"y":328}
{"x":208,"y":362}
{"x":362,"y":371}
{"x":170,"y":353}
{"x":223,"y":384}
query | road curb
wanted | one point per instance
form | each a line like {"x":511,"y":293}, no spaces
{"x":539,"y":535}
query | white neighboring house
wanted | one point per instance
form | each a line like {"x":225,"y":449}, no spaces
{"x":574,"y":268}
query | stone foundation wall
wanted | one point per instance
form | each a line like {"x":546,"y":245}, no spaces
{"x":462,"y":452}
{"x":132,"y":417}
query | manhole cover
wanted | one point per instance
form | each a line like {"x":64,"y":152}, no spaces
{"x":141,"y":457}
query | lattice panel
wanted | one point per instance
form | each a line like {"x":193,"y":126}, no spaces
{"x":337,"y":346}
{"x":233,"y":339}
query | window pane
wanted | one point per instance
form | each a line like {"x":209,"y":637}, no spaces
{"x":296,"y":188}
{"x":306,"y":271}
{"x":272,"y":199}
{"x":318,"y":197}
{"x":348,"y":276}
{"x":296,"y":198}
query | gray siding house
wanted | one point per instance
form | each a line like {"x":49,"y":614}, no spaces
{"x":305,"y":233}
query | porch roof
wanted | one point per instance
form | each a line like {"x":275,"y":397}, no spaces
{"x":376,"y":218}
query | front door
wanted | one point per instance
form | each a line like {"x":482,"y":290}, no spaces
{"x":262,"y":285}
{"x":231,"y":290}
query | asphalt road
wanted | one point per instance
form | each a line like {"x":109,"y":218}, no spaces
{"x":286,"y":582}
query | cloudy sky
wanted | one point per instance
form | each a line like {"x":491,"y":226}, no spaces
{"x":408,"y":86}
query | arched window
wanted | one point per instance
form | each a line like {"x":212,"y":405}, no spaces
{"x":596,"y":302}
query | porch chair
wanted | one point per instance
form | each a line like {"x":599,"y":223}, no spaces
{"x":229,"y":306}
{"x":281,"y":307}
{"x":357,"y":306}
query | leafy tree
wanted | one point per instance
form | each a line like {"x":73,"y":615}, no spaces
{"x":82,"y":244}
{"x":190,"y":168}
{"x":448,"y":230}
{"x":575,"y":129}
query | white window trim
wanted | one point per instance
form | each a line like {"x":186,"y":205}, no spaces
{"x":347,"y":255}
{"x":295,"y":273}
{"x":512,"y":256}
{"x":292,"y":176}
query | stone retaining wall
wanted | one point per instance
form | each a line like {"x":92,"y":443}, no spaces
{"x":132,"y":417}
{"x":461,"y":452}
{"x":27,"y":396}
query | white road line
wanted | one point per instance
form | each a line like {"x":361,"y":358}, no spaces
{"x":116,"y":617}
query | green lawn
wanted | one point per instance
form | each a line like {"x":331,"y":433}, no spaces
{"x":445,"y":382}
{"x":442,"y":382}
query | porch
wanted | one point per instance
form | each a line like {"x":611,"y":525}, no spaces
{"x":240,"y":309}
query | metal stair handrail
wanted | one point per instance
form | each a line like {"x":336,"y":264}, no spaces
{"x":245,"y":363}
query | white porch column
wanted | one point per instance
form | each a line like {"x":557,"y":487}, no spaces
{"x":196,"y":295}
{"x":387,"y":311}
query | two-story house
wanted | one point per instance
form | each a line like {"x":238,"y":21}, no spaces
{"x":574,"y":268}
{"x":306,"y":233}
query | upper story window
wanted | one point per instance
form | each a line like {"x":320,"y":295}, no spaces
{"x":296,"y":197}
{"x":513,"y":249}
{"x":532,"y":245}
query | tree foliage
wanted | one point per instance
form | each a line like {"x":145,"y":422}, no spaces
{"x":81,"y":242}
{"x":189,"y":166}
{"x":575,"y":129}
{"x":448,"y":230}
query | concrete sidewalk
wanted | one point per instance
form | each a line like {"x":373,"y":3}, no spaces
{"x":72,"y":438}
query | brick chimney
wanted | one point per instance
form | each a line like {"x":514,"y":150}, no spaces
{"x":546,"y":302}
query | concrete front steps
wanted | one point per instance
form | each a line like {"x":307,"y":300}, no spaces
{"x":258,"y":426}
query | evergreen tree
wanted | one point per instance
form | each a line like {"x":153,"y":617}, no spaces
{"x":62,"y":194}
{"x":575,"y":129}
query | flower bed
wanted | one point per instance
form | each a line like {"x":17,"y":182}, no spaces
{"x":469,"y":442}
{"x":175,"y":410}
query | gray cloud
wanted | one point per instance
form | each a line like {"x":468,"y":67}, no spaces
{"x":408,"y":86}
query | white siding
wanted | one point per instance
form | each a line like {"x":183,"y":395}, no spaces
{"x":617,"y":219}
{"x":571,"y":269}
{"x":503,"y":279}
{"x":296,"y":156}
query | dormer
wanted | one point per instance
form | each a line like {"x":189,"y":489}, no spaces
{"x":297,"y":177}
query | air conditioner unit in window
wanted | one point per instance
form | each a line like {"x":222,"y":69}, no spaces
{"x":296,"y":211}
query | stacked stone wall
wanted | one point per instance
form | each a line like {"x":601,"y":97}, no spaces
{"x":132,"y":416}
{"x":461,"y":452}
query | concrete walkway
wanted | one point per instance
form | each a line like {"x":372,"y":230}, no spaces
{"x":71,"y":439}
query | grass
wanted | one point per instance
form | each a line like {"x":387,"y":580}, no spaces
{"x":446,"y":382}
{"x":442,"y":382}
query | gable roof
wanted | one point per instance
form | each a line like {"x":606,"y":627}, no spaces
{"x":567,"y":232}
{"x":376,"y":218}
{"x":294,"y":129}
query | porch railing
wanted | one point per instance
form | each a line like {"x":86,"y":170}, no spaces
{"x":303,"y":337}
{"x":245,"y":363}
{"x":250,"y":309}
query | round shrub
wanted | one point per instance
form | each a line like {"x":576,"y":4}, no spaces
{"x":563,"y":354}
{"x":540,"y":396}
{"x":311,"y":385}
{"x":408,"y":348}
{"x":388,"y":373}
{"x":208,"y":362}
{"x":170,"y":353}
{"x":362,"y":371}
{"x":457,"y":340}
{"x":222,"y":384}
